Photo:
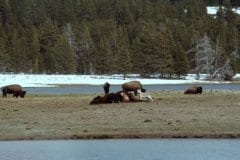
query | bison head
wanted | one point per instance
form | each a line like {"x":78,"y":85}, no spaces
{"x":22,"y":94}
{"x":199,"y":90}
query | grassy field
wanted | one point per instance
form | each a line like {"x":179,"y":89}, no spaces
{"x":171,"y":114}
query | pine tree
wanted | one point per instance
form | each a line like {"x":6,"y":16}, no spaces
{"x":23,"y":11}
{"x":166,"y":59}
{"x":137,"y":58}
{"x":121,"y":51}
{"x":48,"y":37}
{"x":12,"y":50}
{"x":18,"y":52}
{"x":86,"y":10}
{"x":6,"y":13}
{"x":35,"y":49}
{"x":85,"y":50}
{"x":123,"y":13}
{"x":21,"y":61}
{"x":103,"y":58}
{"x":39,"y":12}
{"x":181,"y":64}
{"x":124,"y":62}
{"x":4,"y":59}
{"x":64,"y":56}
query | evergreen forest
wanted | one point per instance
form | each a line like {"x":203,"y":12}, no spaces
{"x":147,"y":37}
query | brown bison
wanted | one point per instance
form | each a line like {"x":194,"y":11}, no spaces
{"x":133,"y":86}
{"x":194,"y":90}
{"x":108,"y":98}
{"x":116,"y":97}
{"x":14,"y":89}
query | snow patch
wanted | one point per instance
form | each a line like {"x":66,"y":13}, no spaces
{"x":213,"y":10}
{"x":43,"y":80}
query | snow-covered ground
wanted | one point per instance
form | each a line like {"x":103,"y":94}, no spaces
{"x":213,"y":10}
{"x":42,"y":80}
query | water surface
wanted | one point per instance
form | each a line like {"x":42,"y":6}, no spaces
{"x":122,"y":149}
{"x":114,"y":88}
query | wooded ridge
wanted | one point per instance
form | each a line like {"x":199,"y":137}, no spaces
{"x":166,"y":37}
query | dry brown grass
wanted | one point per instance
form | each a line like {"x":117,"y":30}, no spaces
{"x":172,"y":114}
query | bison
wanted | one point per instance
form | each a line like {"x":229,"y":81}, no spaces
{"x":108,"y":98}
{"x":14,"y":89}
{"x":116,"y":97}
{"x":194,"y":90}
{"x":133,"y":86}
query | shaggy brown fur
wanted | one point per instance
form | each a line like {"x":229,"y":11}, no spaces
{"x":116,"y":97}
{"x":107,"y":98}
{"x":133,"y":86}
{"x":14,"y":89}
{"x":194,"y":90}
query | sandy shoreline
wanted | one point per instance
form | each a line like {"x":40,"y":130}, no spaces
{"x":129,"y":136}
{"x":171,"y":115}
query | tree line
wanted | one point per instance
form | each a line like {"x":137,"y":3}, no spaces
{"x":148,"y":37}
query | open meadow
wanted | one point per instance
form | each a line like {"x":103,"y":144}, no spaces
{"x":172,"y":114}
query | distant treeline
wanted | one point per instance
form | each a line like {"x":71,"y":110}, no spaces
{"x":113,"y":36}
{"x":234,"y":3}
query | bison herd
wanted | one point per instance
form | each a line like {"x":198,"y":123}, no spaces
{"x":129,"y":93}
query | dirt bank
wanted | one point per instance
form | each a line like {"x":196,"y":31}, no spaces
{"x":172,"y":114}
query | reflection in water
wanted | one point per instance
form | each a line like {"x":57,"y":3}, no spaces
{"x":114,"y":88}
{"x":123,"y":149}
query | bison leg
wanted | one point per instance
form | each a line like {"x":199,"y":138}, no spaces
{"x":135,"y":92}
{"x":4,"y":93}
{"x":16,"y":94}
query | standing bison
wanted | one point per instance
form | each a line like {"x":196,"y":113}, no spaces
{"x":14,"y":89}
{"x":133,"y":86}
{"x":194,"y":90}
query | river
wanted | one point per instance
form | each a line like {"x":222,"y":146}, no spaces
{"x":122,"y":149}
{"x":114,"y":88}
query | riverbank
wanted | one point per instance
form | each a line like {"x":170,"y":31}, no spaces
{"x":171,"y":115}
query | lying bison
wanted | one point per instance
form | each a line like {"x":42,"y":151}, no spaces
{"x":14,"y":89}
{"x":117,"y":97}
{"x":133,"y":86}
{"x":194,"y":90}
{"x":107,"y":98}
